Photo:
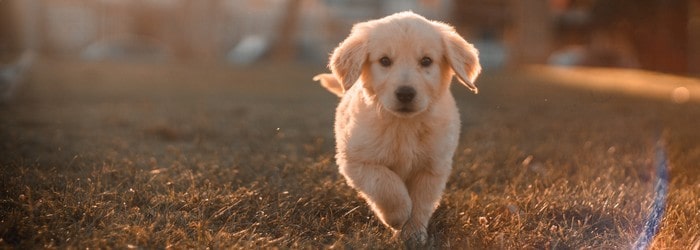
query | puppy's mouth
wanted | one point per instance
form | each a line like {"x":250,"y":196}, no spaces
{"x":405,"y":111}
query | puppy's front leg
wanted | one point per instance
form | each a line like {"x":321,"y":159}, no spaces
{"x":383,"y":190}
{"x":425,"y":189}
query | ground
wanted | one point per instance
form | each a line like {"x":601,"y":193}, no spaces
{"x":196,"y":155}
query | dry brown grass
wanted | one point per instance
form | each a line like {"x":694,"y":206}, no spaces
{"x":156,"y":156}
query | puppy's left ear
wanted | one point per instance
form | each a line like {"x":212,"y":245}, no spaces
{"x":461,"y":55}
{"x":329,"y":82}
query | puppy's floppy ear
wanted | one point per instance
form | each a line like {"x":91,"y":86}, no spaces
{"x":461,"y":55}
{"x":348,"y":58}
{"x":329,"y":82}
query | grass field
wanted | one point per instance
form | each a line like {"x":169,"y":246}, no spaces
{"x":156,"y":156}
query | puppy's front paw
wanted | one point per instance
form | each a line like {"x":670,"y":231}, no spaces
{"x":414,"y":235}
{"x":397,"y":217}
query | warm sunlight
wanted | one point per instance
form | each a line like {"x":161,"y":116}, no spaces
{"x":274,"y":124}
{"x":673,"y":88}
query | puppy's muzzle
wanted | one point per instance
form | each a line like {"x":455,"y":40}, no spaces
{"x":405,"y":94}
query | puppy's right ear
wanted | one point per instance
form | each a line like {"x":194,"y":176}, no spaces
{"x":348,"y":58}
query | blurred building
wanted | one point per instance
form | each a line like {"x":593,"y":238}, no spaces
{"x":661,"y":35}
{"x":192,"y":30}
{"x":649,"y":34}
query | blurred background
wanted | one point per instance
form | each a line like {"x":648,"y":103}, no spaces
{"x":178,"y":109}
{"x":658,"y":35}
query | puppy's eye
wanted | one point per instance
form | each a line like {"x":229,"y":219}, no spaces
{"x":426,"y":61}
{"x":385,"y":61}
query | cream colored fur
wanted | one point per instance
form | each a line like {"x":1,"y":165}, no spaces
{"x":398,"y":155}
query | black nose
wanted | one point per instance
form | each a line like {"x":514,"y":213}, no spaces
{"x":405,"y":94}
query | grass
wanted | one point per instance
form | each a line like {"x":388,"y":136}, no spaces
{"x":157,"y":156}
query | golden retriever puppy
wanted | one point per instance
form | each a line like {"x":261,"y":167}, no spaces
{"x":397,"y":125}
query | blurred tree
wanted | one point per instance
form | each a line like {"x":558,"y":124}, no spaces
{"x":532,"y":31}
{"x":284,"y":48}
{"x":195,"y":37}
{"x":486,"y":19}
{"x":694,"y":37}
{"x":9,"y":35}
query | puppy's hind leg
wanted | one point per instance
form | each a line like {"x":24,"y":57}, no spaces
{"x":384,"y":191}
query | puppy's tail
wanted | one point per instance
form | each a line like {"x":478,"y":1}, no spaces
{"x":329,"y":82}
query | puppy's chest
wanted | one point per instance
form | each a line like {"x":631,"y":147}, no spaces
{"x":402,"y":148}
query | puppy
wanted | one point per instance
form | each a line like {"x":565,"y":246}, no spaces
{"x":397,"y":125}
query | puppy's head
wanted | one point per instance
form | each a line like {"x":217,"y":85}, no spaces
{"x":405,"y":61}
